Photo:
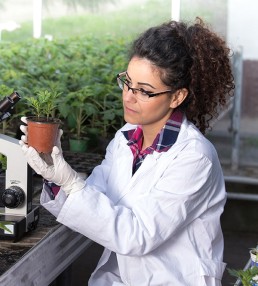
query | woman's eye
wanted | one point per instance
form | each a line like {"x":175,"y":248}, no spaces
{"x":128,"y":82}
{"x":144,"y":92}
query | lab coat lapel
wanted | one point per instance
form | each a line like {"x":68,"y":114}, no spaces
{"x":153,"y":166}
{"x":146,"y":167}
{"x":120,"y":174}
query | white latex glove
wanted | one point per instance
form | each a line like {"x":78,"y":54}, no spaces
{"x":53,"y":168}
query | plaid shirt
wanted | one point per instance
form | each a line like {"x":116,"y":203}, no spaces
{"x":51,"y":188}
{"x":163,"y":141}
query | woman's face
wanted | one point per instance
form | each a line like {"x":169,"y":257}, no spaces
{"x":154,"y":113}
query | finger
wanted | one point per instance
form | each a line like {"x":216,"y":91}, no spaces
{"x":24,"y":129}
{"x":55,"y":151}
{"x":24,"y":119}
{"x":58,"y":140}
{"x":60,"y":133}
{"x":22,"y":143}
{"x":57,"y":156}
{"x":24,"y":139}
{"x":34,"y":159}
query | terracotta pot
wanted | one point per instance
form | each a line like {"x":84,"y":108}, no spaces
{"x":42,"y":134}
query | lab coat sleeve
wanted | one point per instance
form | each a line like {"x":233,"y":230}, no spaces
{"x":53,"y":206}
{"x":98,"y":178}
{"x":185,"y":191}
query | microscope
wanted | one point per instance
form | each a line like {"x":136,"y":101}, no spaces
{"x":17,"y":213}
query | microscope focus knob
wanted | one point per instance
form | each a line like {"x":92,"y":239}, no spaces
{"x":13,"y":197}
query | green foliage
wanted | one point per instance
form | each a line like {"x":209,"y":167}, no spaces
{"x":5,"y":91}
{"x":3,"y":162}
{"x":248,"y":276}
{"x":43,"y":103}
{"x":244,"y":275}
{"x":81,"y":72}
{"x":81,"y":62}
{"x":79,"y":105}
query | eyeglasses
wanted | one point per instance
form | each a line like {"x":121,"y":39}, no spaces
{"x":140,"y":93}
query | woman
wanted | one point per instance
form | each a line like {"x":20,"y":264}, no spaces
{"x":155,"y":201}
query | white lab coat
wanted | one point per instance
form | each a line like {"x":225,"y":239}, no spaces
{"x":160,"y":226}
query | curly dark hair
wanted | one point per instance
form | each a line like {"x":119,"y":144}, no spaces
{"x":191,"y":57}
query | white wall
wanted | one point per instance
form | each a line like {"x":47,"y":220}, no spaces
{"x":243,"y":27}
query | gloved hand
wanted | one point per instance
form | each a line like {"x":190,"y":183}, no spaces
{"x":53,"y":168}
{"x":46,"y":157}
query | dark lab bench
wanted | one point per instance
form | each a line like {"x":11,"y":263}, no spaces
{"x":45,"y":261}
{"x":45,"y":253}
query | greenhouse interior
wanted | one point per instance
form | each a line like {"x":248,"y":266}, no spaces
{"x":74,"y":214}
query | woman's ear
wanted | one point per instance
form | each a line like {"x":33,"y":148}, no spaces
{"x":178,"y":97}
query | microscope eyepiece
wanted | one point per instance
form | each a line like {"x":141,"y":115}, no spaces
{"x":7,"y":104}
{"x":9,"y":101}
{"x":15,"y":97}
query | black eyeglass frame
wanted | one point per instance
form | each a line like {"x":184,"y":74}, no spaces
{"x":150,"y":94}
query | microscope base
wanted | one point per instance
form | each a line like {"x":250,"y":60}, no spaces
{"x":17,"y":225}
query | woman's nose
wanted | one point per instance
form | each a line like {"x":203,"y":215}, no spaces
{"x":128,"y":95}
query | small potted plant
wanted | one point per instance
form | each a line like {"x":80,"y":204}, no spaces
{"x":249,"y":276}
{"x":42,"y":125}
{"x":78,"y":107}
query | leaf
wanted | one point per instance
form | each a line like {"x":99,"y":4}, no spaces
{"x":244,"y":275}
{"x":2,"y":226}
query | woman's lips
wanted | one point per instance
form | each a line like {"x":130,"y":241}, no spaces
{"x":127,"y":109}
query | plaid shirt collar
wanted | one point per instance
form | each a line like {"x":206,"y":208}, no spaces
{"x":163,"y":141}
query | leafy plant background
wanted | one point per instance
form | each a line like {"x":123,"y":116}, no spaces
{"x":81,"y":62}
{"x":80,"y":69}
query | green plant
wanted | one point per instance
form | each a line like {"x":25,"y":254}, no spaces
{"x":43,"y":103}
{"x":3,"y":162}
{"x":245,"y":276}
{"x":42,"y":126}
{"x":248,"y":276}
{"x":82,"y":69}
{"x":110,"y":115}
{"x":5,"y":91}
{"x":80,"y":106}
